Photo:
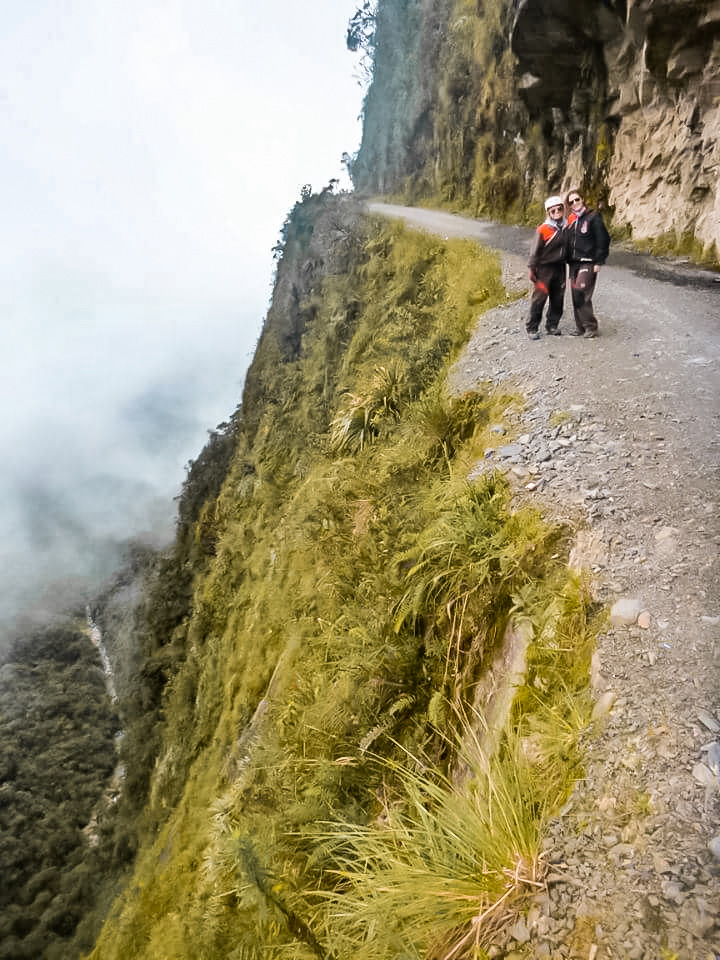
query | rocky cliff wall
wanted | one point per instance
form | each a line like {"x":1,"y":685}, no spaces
{"x":638,"y":82}
{"x":503,"y":102}
{"x":665,"y":84}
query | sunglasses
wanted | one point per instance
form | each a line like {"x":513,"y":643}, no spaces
{"x":554,"y":208}
{"x":574,"y":199}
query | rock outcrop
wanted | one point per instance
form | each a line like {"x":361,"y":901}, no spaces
{"x":638,"y":83}
{"x":489,"y":107}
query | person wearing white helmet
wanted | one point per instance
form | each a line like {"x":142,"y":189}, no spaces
{"x":547,"y":270}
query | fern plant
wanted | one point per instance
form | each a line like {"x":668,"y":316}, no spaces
{"x":360,"y":421}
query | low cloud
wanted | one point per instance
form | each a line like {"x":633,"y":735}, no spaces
{"x":101,"y":417}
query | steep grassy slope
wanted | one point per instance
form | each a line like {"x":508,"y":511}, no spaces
{"x":320,"y":721}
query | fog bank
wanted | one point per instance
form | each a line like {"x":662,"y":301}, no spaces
{"x":155,"y":154}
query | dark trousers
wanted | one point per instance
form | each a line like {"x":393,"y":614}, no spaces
{"x":582,"y":286}
{"x":550,"y":285}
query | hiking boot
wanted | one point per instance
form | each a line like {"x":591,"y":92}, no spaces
{"x":576,"y":333}
{"x":533,"y":336}
{"x":590,"y":334}
{"x":554,"y":331}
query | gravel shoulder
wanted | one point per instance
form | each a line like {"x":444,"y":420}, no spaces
{"x":622,"y":434}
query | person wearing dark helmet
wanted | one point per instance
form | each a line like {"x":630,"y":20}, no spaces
{"x":588,"y":245}
{"x":546,"y":270}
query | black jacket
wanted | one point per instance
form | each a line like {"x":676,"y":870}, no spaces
{"x":548,"y":246}
{"x":587,"y":238}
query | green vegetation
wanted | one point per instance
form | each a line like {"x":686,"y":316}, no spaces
{"x":456,"y":136}
{"x":314,"y":647}
{"x":57,"y":730}
{"x":448,"y":865}
{"x":453,"y":118}
{"x":322,"y":758}
{"x":672,"y":244}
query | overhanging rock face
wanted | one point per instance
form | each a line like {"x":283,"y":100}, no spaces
{"x":649,"y":71}
{"x":560,"y":44}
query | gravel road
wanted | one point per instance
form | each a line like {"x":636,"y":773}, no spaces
{"x":634,"y":859}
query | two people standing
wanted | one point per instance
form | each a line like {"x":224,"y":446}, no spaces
{"x":582,"y":243}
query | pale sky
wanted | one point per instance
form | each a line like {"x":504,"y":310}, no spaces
{"x":151,"y":152}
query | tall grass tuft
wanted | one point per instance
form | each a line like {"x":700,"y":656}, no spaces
{"x":448,"y":861}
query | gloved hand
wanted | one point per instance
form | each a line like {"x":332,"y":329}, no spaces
{"x":533,"y":276}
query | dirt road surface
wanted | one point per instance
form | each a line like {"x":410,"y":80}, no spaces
{"x":622,"y":434}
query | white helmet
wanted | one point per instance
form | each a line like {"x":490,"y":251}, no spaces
{"x":554,"y":202}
